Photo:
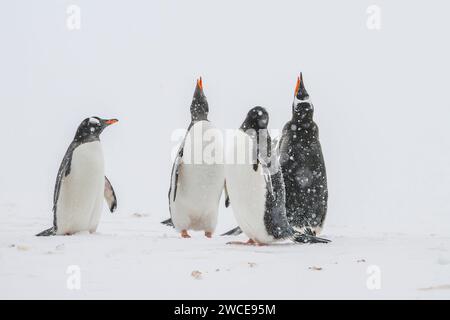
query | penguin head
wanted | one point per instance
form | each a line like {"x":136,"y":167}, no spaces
{"x":302,"y":108}
{"x":199,"y":106}
{"x":91,"y":128}
{"x":257,"y":118}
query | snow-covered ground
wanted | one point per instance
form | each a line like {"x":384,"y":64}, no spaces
{"x":133,"y":256}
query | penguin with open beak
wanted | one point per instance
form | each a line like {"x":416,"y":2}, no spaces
{"x":197,"y":178}
{"x":303,"y":166}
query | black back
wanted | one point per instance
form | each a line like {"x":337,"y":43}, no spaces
{"x":303,"y":165}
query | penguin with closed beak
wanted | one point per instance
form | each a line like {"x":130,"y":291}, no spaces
{"x":256,"y":187}
{"x":81,"y":185}
{"x":197,"y":177}
{"x":303,"y":166}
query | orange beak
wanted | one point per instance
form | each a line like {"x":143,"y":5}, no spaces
{"x":111,"y":121}
{"x":297,"y":86}
{"x":200,"y":83}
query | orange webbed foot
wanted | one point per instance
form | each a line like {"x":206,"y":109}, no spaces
{"x":185,"y":234}
{"x":250,"y":242}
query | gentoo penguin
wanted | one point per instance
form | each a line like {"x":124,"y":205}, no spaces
{"x":256,"y":187}
{"x":81,"y":183}
{"x":303,"y":166}
{"x":197,"y":177}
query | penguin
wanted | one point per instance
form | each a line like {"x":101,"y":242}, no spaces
{"x":81,"y":183}
{"x":303,"y":166}
{"x":256,"y":187}
{"x":196,"y":183}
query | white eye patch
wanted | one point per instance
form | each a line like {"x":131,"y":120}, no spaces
{"x":94,"y":121}
{"x":297,"y":100}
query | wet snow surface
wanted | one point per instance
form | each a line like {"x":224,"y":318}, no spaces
{"x":133,"y":256}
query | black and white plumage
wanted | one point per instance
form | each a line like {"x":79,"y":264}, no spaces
{"x":197,"y":179}
{"x":303,"y":166}
{"x":81,"y":185}
{"x":256,"y":188}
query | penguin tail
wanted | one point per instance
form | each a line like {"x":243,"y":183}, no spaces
{"x":168,"y":222}
{"x":233,"y":232}
{"x":49,"y":232}
{"x":307,"y":238}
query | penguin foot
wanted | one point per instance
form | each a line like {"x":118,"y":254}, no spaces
{"x":185,"y":234}
{"x":250,"y":242}
{"x":208,"y":234}
{"x":237,"y":242}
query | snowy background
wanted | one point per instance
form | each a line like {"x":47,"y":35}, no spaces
{"x":381,"y":103}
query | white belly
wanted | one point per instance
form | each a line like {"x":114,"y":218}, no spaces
{"x":80,"y":199}
{"x":200,"y":182}
{"x":247,"y":191}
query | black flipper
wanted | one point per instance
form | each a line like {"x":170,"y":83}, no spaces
{"x":110,"y":196}
{"x":175,"y":172}
{"x":64,"y":171}
{"x":49,"y":232}
{"x":168,"y":222}
{"x":227,"y":197}
{"x":233,"y":232}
